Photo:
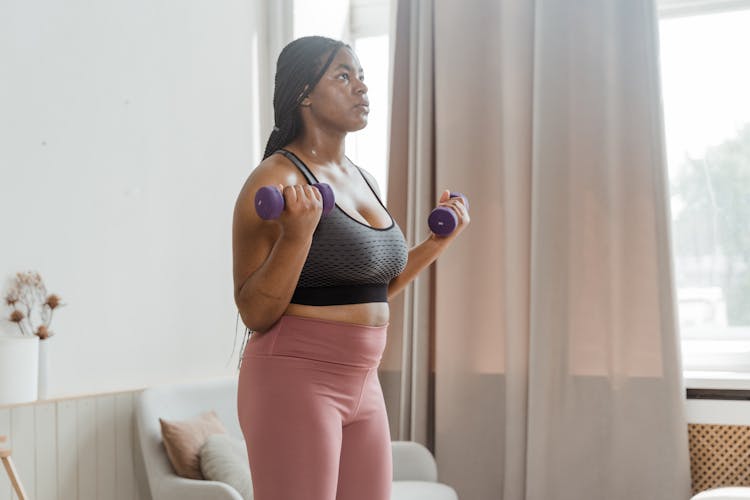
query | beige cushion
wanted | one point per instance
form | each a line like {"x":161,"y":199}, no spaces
{"x":224,"y":458}
{"x":184,"y":439}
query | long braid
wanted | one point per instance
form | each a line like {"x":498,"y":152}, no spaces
{"x":298,"y":69}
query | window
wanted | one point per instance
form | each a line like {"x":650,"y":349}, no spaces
{"x":363,"y":24}
{"x":706,"y":95}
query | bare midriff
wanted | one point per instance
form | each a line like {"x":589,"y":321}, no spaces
{"x":370,"y":314}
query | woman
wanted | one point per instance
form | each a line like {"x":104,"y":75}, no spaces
{"x":315,"y":291}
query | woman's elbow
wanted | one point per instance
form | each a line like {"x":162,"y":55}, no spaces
{"x":394,"y":288}
{"x":253,"y":321}
{"x":258,"y":317}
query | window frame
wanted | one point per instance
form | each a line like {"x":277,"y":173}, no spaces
{"x":710,"y":379}
{"x":667,"y":9}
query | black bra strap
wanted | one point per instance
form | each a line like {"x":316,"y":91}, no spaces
{"x":299,"y":164}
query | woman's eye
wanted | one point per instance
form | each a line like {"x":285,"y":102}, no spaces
{"x":345,"y":76}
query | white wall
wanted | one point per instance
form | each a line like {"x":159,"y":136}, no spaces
{"x":126,"y":132}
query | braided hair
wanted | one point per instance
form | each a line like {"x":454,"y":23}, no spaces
{"x":299,"y":68}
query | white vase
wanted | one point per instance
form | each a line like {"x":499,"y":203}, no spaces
{"x":19,"y":369}
{"x":43,"y":368}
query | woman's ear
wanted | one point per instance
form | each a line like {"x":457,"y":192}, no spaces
{"x":305,"y":102}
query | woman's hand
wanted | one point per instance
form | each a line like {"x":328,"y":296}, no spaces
{"x":426,"y":252}
{"x":462,"y":213}
{"x":303,"y":207}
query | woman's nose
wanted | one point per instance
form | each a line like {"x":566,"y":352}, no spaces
{"x":362,"y":88}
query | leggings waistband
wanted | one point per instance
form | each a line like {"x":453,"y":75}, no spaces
{"x":321,"y":340}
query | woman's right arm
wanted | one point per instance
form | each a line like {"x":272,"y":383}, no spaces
{"x":268,"y":256}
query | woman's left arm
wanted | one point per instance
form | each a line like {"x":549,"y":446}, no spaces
{"x":428,"y":251}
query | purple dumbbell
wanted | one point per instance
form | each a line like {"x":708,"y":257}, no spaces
{"x":443,"y":220}
{"x":269,"y":202}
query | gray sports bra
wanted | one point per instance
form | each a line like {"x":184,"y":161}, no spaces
{"x":349,"y":262}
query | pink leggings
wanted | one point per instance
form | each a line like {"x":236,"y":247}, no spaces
{"x":312,"y":412}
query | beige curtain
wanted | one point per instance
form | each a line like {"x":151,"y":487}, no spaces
{"x":541,"y":352}
{"x":407,"y":371}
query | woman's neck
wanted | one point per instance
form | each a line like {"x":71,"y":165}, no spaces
{"x":321,"y":147}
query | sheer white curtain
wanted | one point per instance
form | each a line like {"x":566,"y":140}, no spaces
{"x":552,"y":320}
{"x":273,"y":28}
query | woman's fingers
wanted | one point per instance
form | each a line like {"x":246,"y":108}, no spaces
{"x":302,"y":197}
{"x":313,"y":193}
{"x":457,"y":205}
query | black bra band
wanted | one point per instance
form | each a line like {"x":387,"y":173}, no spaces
{"x":334,"y":295}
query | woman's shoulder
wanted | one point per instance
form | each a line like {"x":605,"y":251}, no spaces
{"x":274,"y":170}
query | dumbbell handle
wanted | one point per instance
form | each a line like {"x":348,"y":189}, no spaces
{"x":443,"y":220}
{"x":269,"y":202}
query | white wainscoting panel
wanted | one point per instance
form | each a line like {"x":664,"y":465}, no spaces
{"x":72,"y":449}
{"x":46,"y":463}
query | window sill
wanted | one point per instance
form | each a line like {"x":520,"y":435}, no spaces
{"x":716,"y":380}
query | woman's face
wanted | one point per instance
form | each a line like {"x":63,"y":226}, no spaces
{"x":339,"y":100}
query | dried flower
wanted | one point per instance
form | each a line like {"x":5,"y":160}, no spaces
{"x":11,"y":299}
{"x":43,"y":332}
{"x":31,"y":304}
{"x":52,"y":301}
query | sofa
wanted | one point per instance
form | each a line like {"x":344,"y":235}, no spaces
{"x":725,"y":493}
{"x":414,"y":468}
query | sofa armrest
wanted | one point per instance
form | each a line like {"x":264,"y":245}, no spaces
{"x":412,"y":461}
{"x":180,"y":488}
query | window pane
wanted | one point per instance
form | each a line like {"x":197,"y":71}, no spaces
{"x":322,"y":18}
{"x":705,"y":82}
{"x":368,"y":147}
